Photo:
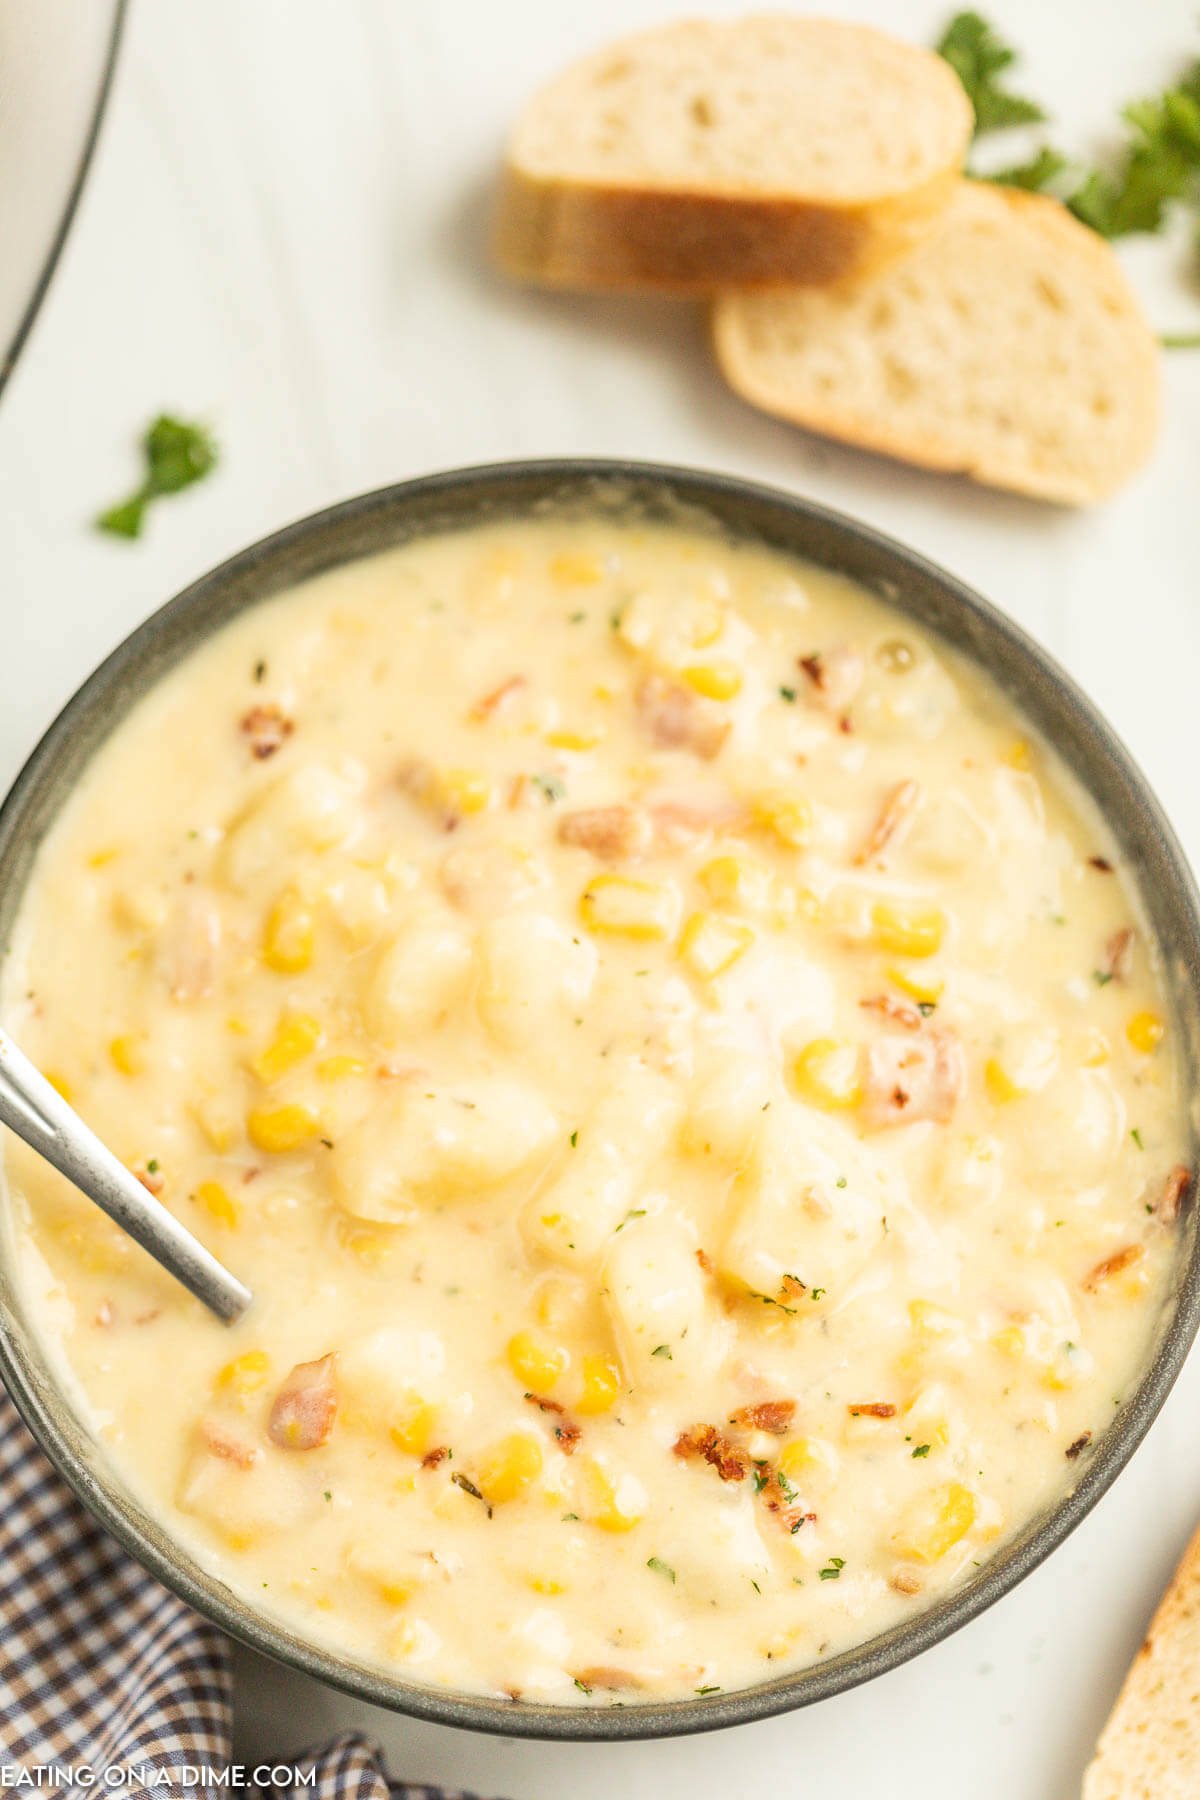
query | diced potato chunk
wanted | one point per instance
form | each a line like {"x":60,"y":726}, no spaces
{"x":420,"y":975}
{"x":424,"y":1144}
{"x":385,"y":1376}
{"x":726,"y":1108}
{"x":311,"y":808}
{"x":657,"y":1298}
{"x":535,"y":974}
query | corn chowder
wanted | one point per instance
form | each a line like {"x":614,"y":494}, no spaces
{"x":679,"y":1068}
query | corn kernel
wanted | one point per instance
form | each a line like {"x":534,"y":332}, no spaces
{"x":826,"y":1073}
{"x":908,"y":928}
{"x":1018,"y":755}
{"x":338,"y":1068}
{"x":802,"y":1458}
{"x":945,"y":1517}
{"x":289,"y":935}
{"x":545,"y":1584}
{"x":626,"y":908}
{"x":1145,"y":1032}
{"x":574,"y":740}
{"x":127,"y":1056}
{"x":925,"y":989}
{"x":534,"y":1362}
{"x":601,"y":1385}
{"x":296,"y":1038}
{"x":733,"y":880}
{"x":1011,"y":1340}
{"x":715,"y":680}
{"x":1000,"y":1084}
{"x":465,"y":790}
{"x":369,"y":1243}
{"x":509,"y":1468}
{"x":217,"y":1202}
{"x":1097,"y":1050}
{"x":100,"y":858}
{"x":237,"y":1026}
{"x":246,"y":1373}
{"x":612,"y":1505}
{"x":710,"y":944}
{"x":412,"y":1429}
{"x":788,"y":816}
{"x":577,"y":568}
{"x":282,"y":1128}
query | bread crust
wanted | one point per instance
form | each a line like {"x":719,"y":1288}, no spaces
{"x":886,"y":432}
{"x":565,"y":235}
{"x":1170,"y":1654}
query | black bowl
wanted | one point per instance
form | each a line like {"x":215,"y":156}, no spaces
{"x":1038,"y":689}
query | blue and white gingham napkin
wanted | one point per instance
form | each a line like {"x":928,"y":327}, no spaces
{"x":101,"y":1669}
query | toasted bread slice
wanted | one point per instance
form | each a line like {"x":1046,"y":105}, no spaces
{"x":773,"y":149}
{"x":1008,"y":347}
{"x":1150,"y":1748}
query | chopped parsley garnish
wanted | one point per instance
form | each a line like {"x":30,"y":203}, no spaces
{"x":1136,"y":1135}
{"x":573,"y":1139}
{"x":926,"y":1008}
{"x":815,"y":1293}
{"x":570,"y":1519}
{"x":552,"y":788}
{"x":770,"y":1300}
{"x":663,"y":1350}
{"x":176,"y":454}
{"x":708,"y":1690}
{"x":582,"y":1686}
{"x":840,"y":1182}
{"x":635,"y":1212}
{"x":979,"y":57}
{"x":1102,"y":977}
{"x":660,"y":1567}
{"x":832,"y":1569}
{"x":152,"y":1166}
{"x":328,"y":1495}
{"x":922,"y":1450}
{"x":788,"y":694}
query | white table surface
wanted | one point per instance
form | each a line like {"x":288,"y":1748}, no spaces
{"x":283,"y":234}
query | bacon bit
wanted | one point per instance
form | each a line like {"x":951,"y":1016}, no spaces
{"x":773,"y":1416}
{"x":1101,"y":863}
{"x":432,"y":1458}
{"x":228,"y":1448}
{"x":612,"y":833}
{"x":104,"y":1315}
{"x":836,"y":676}
{"x":898,"y":1011}
{"x":678,"y":719}
{"x":906,"y":1080}
{"x":704,"y":1441}
{"x":895,"y":815}
{"x":305,"y":1407}
{"x":791,"y":1287}
{"x":1116,"y":1264}
{"x":268,"y":728}
{"x":609,"y":1679}
{"x":487,"y":704}
{"x":566,"y":1432}
{"x":873,"y":1409}
{"x":1170,"y":1201}
{"x":705,"y":1261}
{"x":1118,"y":954}
{"x":249,"y":1175}
{"x":1079,"y":1446}
{"x":153,"y":1183}
{"x":906,"y":1581}
{"x":678,"y":823}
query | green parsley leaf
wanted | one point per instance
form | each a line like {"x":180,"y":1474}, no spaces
{"x":552,"y":788}
{"x":832,"y":1569}
{"x":708,"y":1690}
{"x":660,"y":1567}
{"x":1136,"y":1135}
{"x":663,"y":1350}
{"x":574,"y":1139}
{"x":788,"y":694}
{"x":922,"y":1450}
{"x":978,"y":57}
{"x":1036,"y":175}
{"x":1160,"y":163}
{"x":1180,"y":340}
{"x":176,"y":454}
{"x":582,"y":1686}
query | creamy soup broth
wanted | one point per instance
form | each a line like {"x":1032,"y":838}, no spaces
{"x":680,"y":1068}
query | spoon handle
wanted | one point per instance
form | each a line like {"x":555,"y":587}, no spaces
{"x":39,"y":1115}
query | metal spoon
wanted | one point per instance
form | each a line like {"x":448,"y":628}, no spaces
{"x":40,"y":1116}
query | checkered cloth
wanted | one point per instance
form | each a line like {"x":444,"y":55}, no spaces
{"x":101,"y":1668}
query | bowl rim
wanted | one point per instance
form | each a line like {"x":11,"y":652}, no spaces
{"x":27,"y":1371}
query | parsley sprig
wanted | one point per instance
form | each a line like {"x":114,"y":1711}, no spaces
{"x":176,"y":455}
{"x":979,"y":56}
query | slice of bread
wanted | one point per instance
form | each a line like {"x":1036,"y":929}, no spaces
{"x":1008,"y":347}
{"x":1150,"y":1748}
{"x":773,"y":149}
